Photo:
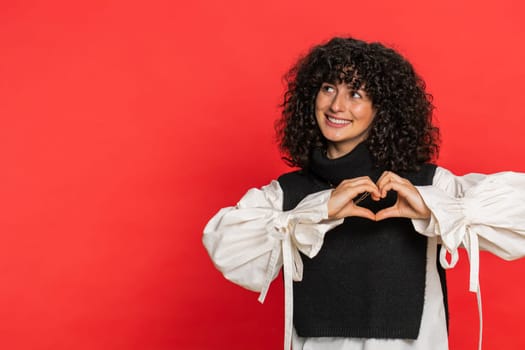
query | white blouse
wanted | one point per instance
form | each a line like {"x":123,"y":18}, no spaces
{"x":249,"y":243}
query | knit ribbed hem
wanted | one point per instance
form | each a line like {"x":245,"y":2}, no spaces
{"x":368,"y":332}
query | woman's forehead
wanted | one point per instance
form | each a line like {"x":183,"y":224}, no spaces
{"x":353,"y":81}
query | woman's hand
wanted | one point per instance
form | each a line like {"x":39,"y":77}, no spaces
{"x":409,"y":202}
{"x":342,"y":201}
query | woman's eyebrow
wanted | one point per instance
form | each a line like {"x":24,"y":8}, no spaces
{"x":360,"y":89}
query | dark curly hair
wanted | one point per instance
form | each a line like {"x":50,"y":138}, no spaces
{"x":401,"y":137}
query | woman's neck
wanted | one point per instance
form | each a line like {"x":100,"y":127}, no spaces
{"x":334,"y":151}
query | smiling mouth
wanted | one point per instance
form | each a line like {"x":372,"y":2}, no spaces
{"x":338,"y":121}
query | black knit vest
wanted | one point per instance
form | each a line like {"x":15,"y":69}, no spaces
{"x":368,"y":280}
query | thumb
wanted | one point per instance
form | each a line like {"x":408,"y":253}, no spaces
{"x":363,"y":212}
{"x":391,"y":212}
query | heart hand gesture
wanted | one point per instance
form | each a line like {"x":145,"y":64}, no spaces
{"x":409,"y":202}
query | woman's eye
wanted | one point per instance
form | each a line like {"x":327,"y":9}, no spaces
{"x":327,"y":88}
{"x":355,"y":94}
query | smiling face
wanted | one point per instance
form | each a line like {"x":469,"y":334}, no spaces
{"x":344,"y":116}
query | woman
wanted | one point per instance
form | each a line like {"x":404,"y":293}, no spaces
{"x":358,"y":226}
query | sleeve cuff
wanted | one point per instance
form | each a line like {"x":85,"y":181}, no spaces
{"x":311,"y":223}
{"x":426,"y":227}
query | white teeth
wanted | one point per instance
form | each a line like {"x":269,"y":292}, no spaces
{"x":338,"y":121}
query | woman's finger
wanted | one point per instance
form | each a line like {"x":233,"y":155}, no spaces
{"x":365,"y":180}
{"x":388,"y":180}
{"x":345,"y":197}
{"x":355,"y":210}
{"x":401,"y":188}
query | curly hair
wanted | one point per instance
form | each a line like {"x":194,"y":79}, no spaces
{"x":401,"y":137}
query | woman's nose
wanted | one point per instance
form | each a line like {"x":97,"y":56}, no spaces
{"x":338,"y":103}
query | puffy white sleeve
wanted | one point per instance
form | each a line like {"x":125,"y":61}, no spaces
{"x":476,"y":211}
{"x":249,"y":242}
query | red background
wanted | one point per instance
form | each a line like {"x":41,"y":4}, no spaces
{"x":125,"y":125}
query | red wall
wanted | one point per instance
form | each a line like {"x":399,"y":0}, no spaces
{"x":125,"y":126}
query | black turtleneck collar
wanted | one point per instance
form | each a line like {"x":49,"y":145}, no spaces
{"x":358,"y":162}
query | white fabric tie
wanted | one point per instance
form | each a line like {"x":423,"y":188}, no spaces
{"x":292,"y":270}
{"x":471,"y":244}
